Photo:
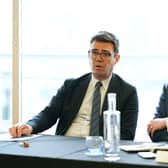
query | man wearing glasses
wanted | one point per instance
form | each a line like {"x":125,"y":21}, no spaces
{"x":72,"y":105}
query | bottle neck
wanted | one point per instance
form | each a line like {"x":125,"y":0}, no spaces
{"x":112,"y":102}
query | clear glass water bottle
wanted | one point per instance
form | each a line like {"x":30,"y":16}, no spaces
{"x":111,"y":119}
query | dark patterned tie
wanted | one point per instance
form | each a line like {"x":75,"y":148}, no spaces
{"x":95,"y":113}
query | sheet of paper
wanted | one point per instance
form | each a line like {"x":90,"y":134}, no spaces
{"x":145,"y":147}
{"x":7,"y":137}
{"x":162,"y":156}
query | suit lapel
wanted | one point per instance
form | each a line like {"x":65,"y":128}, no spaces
{"x":78,"y":95}
{"x":113,"y":87}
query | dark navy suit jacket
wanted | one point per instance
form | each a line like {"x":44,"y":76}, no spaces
{"x":66,"y":104}
{"x":162,"y":112}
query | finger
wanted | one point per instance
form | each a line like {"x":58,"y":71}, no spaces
{"x":25,"y":130}
{"x":154,"y":129}
{"x":18,"y":131}
{"x":149,"y":129}
{"x":152,"y":132}
{"x":13,"y":131}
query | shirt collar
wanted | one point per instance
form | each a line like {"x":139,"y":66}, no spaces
{"x":105,"y":83}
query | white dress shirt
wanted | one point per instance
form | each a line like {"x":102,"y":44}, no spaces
{"x":81,"y":124}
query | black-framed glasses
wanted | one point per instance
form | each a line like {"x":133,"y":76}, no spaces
{"x":104,"y":54}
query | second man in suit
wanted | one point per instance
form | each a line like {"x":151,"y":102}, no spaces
{"x":157,"y":128}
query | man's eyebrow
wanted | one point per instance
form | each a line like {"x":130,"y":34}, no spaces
{"x":106,"y":50}
{"x":95,"y":49}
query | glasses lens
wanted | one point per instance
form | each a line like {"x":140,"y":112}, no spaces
{"x":106,"y":54}
{"x":95,"y":53}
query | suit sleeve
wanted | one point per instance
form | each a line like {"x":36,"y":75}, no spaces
{"x":160,"y":135}
{"x":161,"y":112}
{"x":49,"y":115}
{"x":129,"y":115}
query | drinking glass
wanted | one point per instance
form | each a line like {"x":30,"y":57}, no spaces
{"x":94,"y":145}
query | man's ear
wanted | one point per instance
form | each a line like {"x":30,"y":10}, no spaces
{"x":117,"y":58}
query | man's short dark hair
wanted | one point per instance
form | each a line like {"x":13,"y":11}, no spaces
{"x":104,"y":36}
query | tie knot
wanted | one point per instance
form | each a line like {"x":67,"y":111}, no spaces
{"x":98,"y":84}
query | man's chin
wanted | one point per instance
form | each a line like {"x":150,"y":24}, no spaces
{"x":100,"y":76}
